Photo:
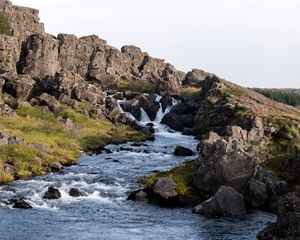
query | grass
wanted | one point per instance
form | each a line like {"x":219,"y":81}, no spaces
{"x":5,"y":26}
{"x":238,"y":92}
{"x":38,"y":125}
{"x":191,"y":91}
{"x":136,"y":86}
{"x":181,"y":175}
{"x":283,"y":152}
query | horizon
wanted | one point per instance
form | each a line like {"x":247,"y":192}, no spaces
{"x":265,"y":37}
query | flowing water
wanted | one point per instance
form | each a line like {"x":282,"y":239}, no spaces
{"x":104,"y":212}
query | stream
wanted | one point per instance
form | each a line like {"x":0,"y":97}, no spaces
{"x":104,"y":212}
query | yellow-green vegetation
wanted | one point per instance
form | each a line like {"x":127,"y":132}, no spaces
{"x":190,"y":91}
{"x":238,"y":92}
{"x":283,"y":152}
{"x":4,"y":26}
{"x":64,"y":141}
{"x":181,"y":175}
{"x":137,"y":86}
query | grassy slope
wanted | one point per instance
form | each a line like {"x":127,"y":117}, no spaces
{"x":38,"y":125}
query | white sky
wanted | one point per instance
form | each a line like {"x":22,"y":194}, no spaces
{"x":254,"y":43}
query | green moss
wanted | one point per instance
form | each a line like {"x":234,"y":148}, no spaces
{"x":5,"y":26}
{"x":238,"y":92}
{"x":136,"y":86}
{"x":181,"y":175}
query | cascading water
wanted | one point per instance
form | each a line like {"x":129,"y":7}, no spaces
{"x":103,"y":212}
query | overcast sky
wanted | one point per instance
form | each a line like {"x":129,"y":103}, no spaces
{"x":254,"y":43}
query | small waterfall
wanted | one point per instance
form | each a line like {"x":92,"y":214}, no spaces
{"x":128,"y":114}
{"x":144,"y":117}
{"x":160,"y":114}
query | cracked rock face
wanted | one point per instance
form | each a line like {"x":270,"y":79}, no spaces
{"x":224,"y":161}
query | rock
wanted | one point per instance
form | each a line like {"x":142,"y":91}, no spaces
{"x":5,"y":109}
{"x":225,"y":203}
{"x":117,"y":141}
{"x":178,"y":122}
{"x":21,"y":86}
{"x":55,"y":167}
{"x":182,"y":151}
{"x":180,"y":109}
{"x":224,"y":161}
{"x":188,"y":131}
{"x":287,"y":225}
{"x":21,"y":203}
{"x":147,"y":102}
{"x":75,"y":192}
{"x":165,"y":188}
{"x":39,"y":56}
{"x":170,"y":80}
{"x":166,"y":102}
{"x":256,"y":194}
{"x":194,"y":77}
{"x":49,"y":101}
{"x":138,"y":196}
{"x":52,"y":193}
{"x":39,"y":147}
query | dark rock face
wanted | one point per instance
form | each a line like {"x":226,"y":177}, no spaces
{"x":21,"y":203}
{"x":229,"y":161}
{"x":178,"y":122}
{"x":287,"y":225}
{"x":75,"y":192}
{"x":182,"y":151}
{"x":256,"y":194}
{"x":225,"y":203}
{"x":39,"y":56}
{"x":52,"y":193}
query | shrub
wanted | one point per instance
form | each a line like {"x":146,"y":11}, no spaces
{"x":4,"y":26}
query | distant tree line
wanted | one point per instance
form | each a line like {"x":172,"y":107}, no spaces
{"x":289,"y":98}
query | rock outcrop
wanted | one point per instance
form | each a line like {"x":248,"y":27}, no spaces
{"x":225,"y":203}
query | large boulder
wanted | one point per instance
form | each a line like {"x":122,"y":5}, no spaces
{"x":225,"y":203}
{"x":183,"y":151}
{"x":21,"y":203}
{"x":75,"y":192}
{"x":52,"y":193}
{"x":229,"y":161}
{"x":165,"y":188}
{"x":256,"y":194}
{"x":21,"y":86}
{"x":178,"y":122}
